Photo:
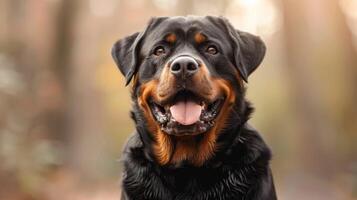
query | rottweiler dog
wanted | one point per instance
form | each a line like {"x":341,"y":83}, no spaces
{"x":192,"y":139}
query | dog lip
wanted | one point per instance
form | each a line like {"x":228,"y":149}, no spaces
{"x":159,"y":112}
{"x":163,"y":116}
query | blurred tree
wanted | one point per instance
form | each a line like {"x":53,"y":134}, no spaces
{"x":314,"y":68}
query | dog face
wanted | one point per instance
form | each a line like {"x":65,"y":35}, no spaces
{"x":188,"y":75}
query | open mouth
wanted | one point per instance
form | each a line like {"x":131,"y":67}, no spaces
{"x":186,"y":113}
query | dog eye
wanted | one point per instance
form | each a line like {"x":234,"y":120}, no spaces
{"x":212,"y":50}
{"x":159,"y":51}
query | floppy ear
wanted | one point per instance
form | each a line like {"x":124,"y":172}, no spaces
{"x":252,"y":52}
{"x":249,"y":50}
{"x":125,"y":52}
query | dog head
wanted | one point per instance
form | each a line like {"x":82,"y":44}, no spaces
{"x":187,"y":75}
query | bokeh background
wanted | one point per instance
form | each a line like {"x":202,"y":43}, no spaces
{"x":64,"y":110}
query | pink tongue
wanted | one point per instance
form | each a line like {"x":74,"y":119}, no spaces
{"x":186,"y":112}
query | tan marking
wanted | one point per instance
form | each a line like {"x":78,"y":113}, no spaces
{"x":147,"y":90}
{"x":134,"y":82}
{"x":163,"y":147}
{"x":163,"y":144}
{"x":199,"y":38}
{"x":171,"y":38}
{"x":168,"y":83}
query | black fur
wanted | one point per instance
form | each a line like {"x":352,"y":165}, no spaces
{"x":240,"y":167}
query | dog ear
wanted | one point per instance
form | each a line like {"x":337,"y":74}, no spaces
{"x":249,"y":50}
{"x":125,"y":52}
{"x":252,"y":52}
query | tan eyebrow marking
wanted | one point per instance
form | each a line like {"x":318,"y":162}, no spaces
{"x":199,"y":38}
{"x":171,"y":38}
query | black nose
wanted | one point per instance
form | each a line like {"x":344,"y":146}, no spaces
{"x":184,"y":66}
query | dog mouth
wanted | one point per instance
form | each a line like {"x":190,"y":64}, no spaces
{"x":186,"y":113}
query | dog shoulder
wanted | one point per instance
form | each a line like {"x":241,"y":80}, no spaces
{"x":257,"y":149}
{"x":254,"y":156}
{"x":249,"y":148}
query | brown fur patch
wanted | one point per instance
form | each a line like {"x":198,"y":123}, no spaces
{"x":163,"y":147}
{"x":199,"y":38}
{"x":163,"y":144}
{"x":167,"y":84}
{"x":171,"y":38}
{"x":134,"y":82}
{"x":167,"y":80}
{"x":147,"y":91}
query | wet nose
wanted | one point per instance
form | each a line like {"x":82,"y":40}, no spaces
{"x":184,"y":66}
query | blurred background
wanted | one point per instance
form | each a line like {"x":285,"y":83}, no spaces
{"x":64,"y":110}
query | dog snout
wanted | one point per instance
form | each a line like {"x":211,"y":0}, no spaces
{"x":184,"y":66}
